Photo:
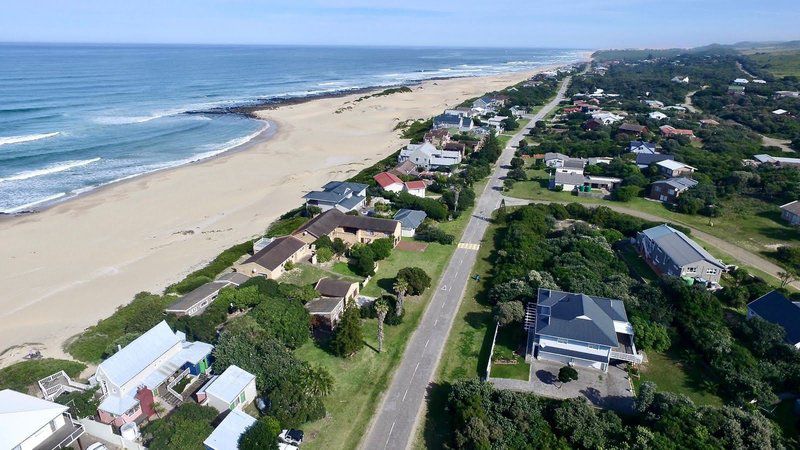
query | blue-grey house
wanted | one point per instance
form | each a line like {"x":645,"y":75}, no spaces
{"x":410,"y":220}
{"x":342,"y":195}
{"x":775,"y":308}
{"x":580,"y":330}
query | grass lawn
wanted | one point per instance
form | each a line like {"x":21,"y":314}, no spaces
{"x":670,"y":374}
{"x":636,"y":264}
{"x":26,"y":373}
{"x":509,"y":346}
{"x":748,"y":223}
{"x":360,"y":380}
{"x":343,"y":269}
{"x":305,"y":274}
{"x":780,"y":63}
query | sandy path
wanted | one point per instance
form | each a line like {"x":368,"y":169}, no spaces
{"x":65,"y":268}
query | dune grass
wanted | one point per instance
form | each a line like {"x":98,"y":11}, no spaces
{"x":24,"y":374}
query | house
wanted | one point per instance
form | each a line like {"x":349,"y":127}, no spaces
{"x":592,"y":124}
{"x":496,"y":123}
{"x":780,"y":112}
{"x":790,"y":212}
{"x":437,"y":136}
{"x":405,"y":168}
{"x":600,"y":160}
{"x":777,"y":160}
{"x":488,"y":102}
{"x":447,"y":121}
{"x":342,"y":195}
{"x":657,"y":115}
{"x":736,"y":90}
{"x":672,"y":168}
{"x":428,"y":157}
{"x":668,"y":191}
{"x":235,"y":388}
{"x":455,"y":146}
{"x":30,"y":423}
{"x":334,"y":297}
{"x":144,"y":371}
{"x":518,"y":111}
{"x":671,"y":253}
{"x":758,"y":81}
{"x":679,"y":79}
{"x":708,"y":122}
{"x":351,"y":229}
{"x":467,"y":124}
{"x":670,"y":132}
{"x":655,"y":104}
{"x":415,"y":188}
{"x":573,"y":165}
{"x":775,"y":308}
{"x":741,"y":81}
{"x":389,"y":182}
{"x":226,"y":435}
{"x":410,"y":220}
{"x":554,"y":160}
{"x":632,"y":128}
{"x":234,"y":278}
{"x":678,"y":108}
{"x":568,"y":181}
{"x":196,"y":301}
{"x":642,"y":147}
{"x":607,"y":118}
{"x":271,"y":261}
{"x":787,"y":94}
{"x":581,"y":330}
{"x":643,"y":160}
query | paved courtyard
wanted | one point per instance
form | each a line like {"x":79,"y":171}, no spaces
{"x":610,"y":390}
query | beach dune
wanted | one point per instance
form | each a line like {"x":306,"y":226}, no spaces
{"x":68,"y":266}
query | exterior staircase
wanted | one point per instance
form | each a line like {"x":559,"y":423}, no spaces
{"x":530,"y":316}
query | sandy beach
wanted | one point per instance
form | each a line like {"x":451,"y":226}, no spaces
{"x":67,"y":267}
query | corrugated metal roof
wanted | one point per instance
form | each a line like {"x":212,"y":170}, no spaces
{"x":775,"y":308}
{"x":680,"y":249}
{"x":230,"y":383}
{"x":579,"y":317}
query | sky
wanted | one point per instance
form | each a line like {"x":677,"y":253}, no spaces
{"x":585,"y":24}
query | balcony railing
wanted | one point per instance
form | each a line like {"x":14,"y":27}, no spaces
{"x":629,"y":357}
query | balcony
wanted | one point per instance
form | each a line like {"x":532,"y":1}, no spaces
{"x":62,"y":437}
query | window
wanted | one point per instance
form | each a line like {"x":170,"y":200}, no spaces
{"x":691,"y":269}
{"x":711,"y":271}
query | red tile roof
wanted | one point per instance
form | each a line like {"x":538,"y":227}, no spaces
{"x":418,"y":184}
{"x":385,"y":179}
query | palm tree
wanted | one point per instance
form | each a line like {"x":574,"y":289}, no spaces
{"x":318,"y":382}
{"x":382,"y":309}
{"x":158,"y":408}
{"x":786,"y":277}
{"x":400,"y":288}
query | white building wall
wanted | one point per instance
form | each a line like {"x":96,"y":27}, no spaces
{"x":43,"y":433}
{"x":546,"y":341}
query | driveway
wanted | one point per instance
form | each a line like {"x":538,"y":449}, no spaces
{"x":611,"y":390}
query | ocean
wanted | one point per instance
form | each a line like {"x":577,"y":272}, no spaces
{"x":76,"y":117}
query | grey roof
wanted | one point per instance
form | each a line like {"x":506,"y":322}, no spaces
{"x":569,"y":178}
{"x":775,"y":308}
{"x":447,"y":119}
{"x":326,"y":222}
{"x":554,"y":155}
{"x":329,"y":287}
{"x":410,"y":218}
{"x":680,"y":184}
{"x":648,"y":145}
{"x":324,"y":305}
{"x":792,"y":207}
{"x":236,"y":278}
{"x":336,"y":191}
{"x":632,"y":127}
{"x":352,"y":202}
{"x":574,"y":163}
{"x":196,"y":296}
{"x":277,"y":252}
{"x":645,"y":159}
{"x":680,"y":249}
{"x":579,"y":317}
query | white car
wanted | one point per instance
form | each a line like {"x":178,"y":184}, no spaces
{"x":97,"y":446}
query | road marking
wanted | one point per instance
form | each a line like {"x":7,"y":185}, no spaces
{"x":435,"y":322}
{"x":427,"y":342}
{"x":468,"y":246}
{"x":389,"y":436}
{"x":404,"y":395}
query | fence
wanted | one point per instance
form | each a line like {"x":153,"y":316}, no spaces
{"x":106,"y":433}
{"x":491,"y":352}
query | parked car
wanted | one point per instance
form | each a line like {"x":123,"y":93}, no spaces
{"x":292,"y":436}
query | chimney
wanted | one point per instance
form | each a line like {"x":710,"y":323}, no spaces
{"x":119,"y":347}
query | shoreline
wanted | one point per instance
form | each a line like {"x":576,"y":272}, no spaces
{"x":75,"y":262}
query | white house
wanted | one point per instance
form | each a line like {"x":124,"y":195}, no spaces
{"x":226,"y":435}
{"x":741,"y":81}
{"x":679,"y":79}
{"x":580,"y":330}
{"x":642,"y":147}
{"x":235,"y":388}
{"x":672,"y":168}
{"x":658,"y":115}
{"x":554,"y":160}
{"x":780,"y":112}
{"x":496,"y":122}
{"x":30,"y":423}
{"x":757,"y":81}
{"x":607,"y":118}
{"x":415,"y":188}
{"x":147,"y":368}
{"x":427,"y":156}
{"x":410,"y":220}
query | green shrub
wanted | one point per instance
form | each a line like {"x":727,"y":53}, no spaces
{"x":416,"y":278}
{"x":26,"y":373}
{"x":286,"y":226}
{"x":324,"y":254}
{"x":214,"y":268}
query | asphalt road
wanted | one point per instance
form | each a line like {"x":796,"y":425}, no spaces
{"x":398,"y":415}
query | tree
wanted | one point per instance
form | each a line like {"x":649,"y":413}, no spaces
{"x":509,"y":312}
{"x":364,"y":265}
{"x":416,"y":278}
{"x":382,"y":309}
{"x":186,"y":427}
{"x":400,"y":288}
{"x":339,"y":247}
{"x":517,"y":162}
{"x":626,"y":193}
{"x":263,"y":434}
{"x":382,"y":248}
{"x":650,"y":335}
{"x":567,"y":374}
{"x":786,"y":277}
{"x":284,"y":319}
{"x":348,"y":338}
{"x":324,"y":254}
